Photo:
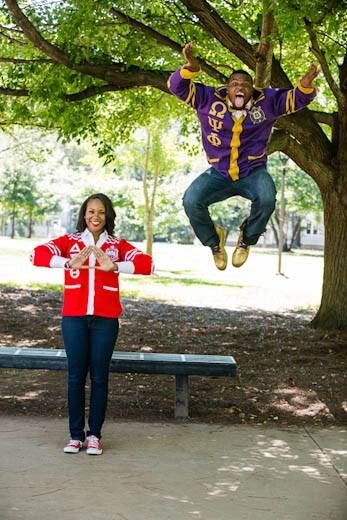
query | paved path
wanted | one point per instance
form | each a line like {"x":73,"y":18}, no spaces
{"x":171,"y":471}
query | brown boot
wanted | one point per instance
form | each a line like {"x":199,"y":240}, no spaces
{"x":241,"y":250}
{"x":220,"y":256}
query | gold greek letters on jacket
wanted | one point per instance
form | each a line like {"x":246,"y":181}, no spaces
{"x":290,"y":101}
{"x":218,"y":109}
{"x":216,"y":125}
{"x":214,"y":139}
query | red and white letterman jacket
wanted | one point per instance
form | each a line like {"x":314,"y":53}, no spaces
{"x":92,"y":291}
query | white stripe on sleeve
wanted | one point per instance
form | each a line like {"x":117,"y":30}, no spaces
{"x":57,"y":261}
{"x":126,"y":267}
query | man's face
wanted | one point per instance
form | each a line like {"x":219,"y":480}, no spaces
{"x":240,"y":88}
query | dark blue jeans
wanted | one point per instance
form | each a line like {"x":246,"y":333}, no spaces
{"x":89,"y":343}
{"x":211,"y":187}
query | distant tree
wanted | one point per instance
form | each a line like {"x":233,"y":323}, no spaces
{"x":17,"y":192}
{"x":302,"y":196}
{"x":152,"y":161}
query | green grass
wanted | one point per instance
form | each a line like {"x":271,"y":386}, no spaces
{"x":189,"y":281}
{"x":135,"y":295}
{"x":294,"y":252}
{"x":56,"y":288}
{"x":168,"y":280}
{"x":310,"y":309}
{"x":155,"y":280}
{"x":53,"y":287}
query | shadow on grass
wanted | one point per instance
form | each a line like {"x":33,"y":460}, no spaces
{"x":288,"y":373}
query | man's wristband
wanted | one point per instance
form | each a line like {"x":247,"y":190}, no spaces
{"x":67,"y":265}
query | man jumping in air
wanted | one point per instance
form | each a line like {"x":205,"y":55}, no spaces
{"x":236,"y":122}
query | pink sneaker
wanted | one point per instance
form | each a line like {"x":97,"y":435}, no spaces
{"x":73,"y":446}
{"x":94,"y":445}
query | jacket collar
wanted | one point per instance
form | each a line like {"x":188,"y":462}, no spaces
{"x":88,"y":238}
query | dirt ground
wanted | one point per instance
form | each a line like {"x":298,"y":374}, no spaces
{"x":288,"y":372}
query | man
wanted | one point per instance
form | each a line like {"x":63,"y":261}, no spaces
{"x":236,"y":123}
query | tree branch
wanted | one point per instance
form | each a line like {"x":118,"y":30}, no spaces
{"x":124,"y":76}
{"x":320,"y":172}
{"x":17,"y":61}
{"x":325,"y":117}
{"x":343,"y":74}
{"x":213,"y":24}
{"x":125,"y":81}
{"x":305,"y":130}
{"x":110,"y":73}
{"x":278,"y":142}
{"x":35,"y":37}
{"x":264,"y":52}
{"x":219,"y":29}
{"x":11,"y":40}
{"x":93,"y":91}
{"x":10,"y":29}
{"x":14,"y":92}
{"x":334,"y":40}
{"x":167,"y":42}
{"x":118,"y":76}
{"x":328,"y":10}
{"x":320,"y":55}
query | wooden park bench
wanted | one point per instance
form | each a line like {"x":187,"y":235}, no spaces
{"x":180,"y":365}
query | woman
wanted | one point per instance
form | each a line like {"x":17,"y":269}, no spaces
{"x":92,"y":258}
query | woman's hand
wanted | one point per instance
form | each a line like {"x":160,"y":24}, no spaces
{"x":104,"y":261}
{"x":77,"y":261}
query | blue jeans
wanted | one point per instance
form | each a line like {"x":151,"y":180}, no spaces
{"x":211,"y":187}
{"x":89,"y":343}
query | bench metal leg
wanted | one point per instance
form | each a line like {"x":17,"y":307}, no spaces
{"x":181,"y":405}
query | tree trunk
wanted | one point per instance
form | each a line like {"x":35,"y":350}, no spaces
{"x":150,"y":194}
{"x":149,"y":234}
{"x":149,"y":239}
{"x":13,"y":221}
{"x":296,"y":225}
{"x":30,"y":225}
{"x":275,"y":224}
{"x":332,"y":313}
{"x":274,"y":230}
{"x":264,"y":51}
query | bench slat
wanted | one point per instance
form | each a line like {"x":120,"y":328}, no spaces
{"x":130,"y":362}
{"x":179,"y":365}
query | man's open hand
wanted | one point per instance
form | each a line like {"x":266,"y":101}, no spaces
{"x":308,"y":78}
{"x":192,"y":63}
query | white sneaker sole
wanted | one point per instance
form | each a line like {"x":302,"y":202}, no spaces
{"x":73,"y":449}
{"x":93,"y":451}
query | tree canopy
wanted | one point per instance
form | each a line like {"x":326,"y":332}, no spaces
{"x":96,"y":69}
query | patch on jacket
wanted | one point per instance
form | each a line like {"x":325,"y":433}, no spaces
{"x":112,"y":252}
{"x":257,"y":115}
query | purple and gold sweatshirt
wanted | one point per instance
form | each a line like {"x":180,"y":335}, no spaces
{"x":235,"y":141}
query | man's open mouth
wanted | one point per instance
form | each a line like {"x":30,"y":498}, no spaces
{"x":239,"y":100}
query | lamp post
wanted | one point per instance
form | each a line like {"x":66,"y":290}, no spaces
{"x":284,"y":159}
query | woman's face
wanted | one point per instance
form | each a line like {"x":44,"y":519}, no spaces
{"x":95,"y":217}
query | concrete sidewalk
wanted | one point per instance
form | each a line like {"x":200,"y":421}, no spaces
{"x":154,"y":471}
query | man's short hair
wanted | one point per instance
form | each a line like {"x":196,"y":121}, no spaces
{"x":240,"y":71}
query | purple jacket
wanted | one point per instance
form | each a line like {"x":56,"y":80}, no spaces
{"x":235,"y":146}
